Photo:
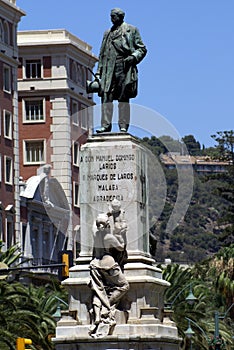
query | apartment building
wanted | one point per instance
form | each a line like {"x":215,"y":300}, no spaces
{"x":54,"y":118}
{"x":10,"y":15}
{"x":200,"y":164}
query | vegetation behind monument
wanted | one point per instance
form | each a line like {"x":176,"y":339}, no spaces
{"x":208,"y":223}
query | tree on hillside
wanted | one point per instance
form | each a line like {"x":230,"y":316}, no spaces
{"x":225,"y":151}
{"x":170,"y":144}
{"x":225,"y":146}
{"x":193,"y":146}
{"x":154,"y":144}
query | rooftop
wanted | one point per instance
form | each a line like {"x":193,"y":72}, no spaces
{"x":51,"y":37}
{"x":173,"y":158}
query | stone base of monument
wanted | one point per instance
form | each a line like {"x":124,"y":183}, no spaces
{"x":142,"y":324}
{"x":117,"y":166}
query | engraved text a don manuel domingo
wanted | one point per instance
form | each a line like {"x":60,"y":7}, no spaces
{"x":110,"y":176}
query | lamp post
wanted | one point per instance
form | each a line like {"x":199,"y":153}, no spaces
{"x":217,"y":317}
{"x":189,"y":332}
{"x":57,"y":314}
{"x":190,"y":298}
{"x":217,"y":343}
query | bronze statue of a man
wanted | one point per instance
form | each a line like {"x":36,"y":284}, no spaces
{"x":121,"y":50}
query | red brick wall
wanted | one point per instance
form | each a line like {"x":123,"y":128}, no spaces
{"x":47,"y":66}
{"x":6,"y":145}
{"x":20,"y":68}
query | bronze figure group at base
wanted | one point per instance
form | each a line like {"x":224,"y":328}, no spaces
{"x":107,"y":280}
{"x":116,"y":77}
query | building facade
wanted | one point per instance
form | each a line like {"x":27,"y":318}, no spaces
{"x":45,"y":217}
{"x":200,"y":164}
{"x":54,"y":118}
{"x":10,"y":15}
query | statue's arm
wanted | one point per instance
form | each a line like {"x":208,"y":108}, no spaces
{"x":139,"y":47}
{"x":111,"y":241}
{"x":101,"y":53}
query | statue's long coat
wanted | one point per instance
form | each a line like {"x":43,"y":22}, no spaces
{"x":126,"y":41}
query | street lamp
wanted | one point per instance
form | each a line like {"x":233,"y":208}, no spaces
{"x":191,"y":299}
{"x":189,"y":332}
{"x":57,"y":314}
{"x":217,"y":317}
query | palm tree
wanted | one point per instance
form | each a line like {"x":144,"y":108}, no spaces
{"x":222,"y":267}
{"x":10,"y":256}
{"x":200,"y":313}
{"x":26,"y":311}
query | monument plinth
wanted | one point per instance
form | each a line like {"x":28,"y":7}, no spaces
{"x":115,"y":166}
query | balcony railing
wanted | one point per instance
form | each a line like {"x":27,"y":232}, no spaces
{"x":40,"y":263}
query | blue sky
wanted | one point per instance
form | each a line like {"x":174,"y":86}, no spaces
{"x":188,"y":73}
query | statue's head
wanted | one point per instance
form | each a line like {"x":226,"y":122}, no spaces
{"x":102,"y":221}
{"x":115,"y":205}
{"x":47,"y":168}
{"x":117,"y":15}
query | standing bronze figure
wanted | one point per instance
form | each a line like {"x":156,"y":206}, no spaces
{"x":121,"y":50}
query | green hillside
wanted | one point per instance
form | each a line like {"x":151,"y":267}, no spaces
{"x":208,"y":222}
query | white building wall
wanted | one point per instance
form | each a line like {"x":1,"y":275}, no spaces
{"x":61,"y":144}
{"x":61,"y":157}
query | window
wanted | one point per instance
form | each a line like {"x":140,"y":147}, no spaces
{"x":83,"y":77}
{"x":8,"y":170}
{"x":75,"y":113}
{"x":6,"y":79}
{"x":6,"y":33}
{"x":34,"y":152}
{"x":35,"y":244}
{"x":7,"y":125}
{"x":34,"y":110}
{"x":74,"y":73}
{"x":46,"y":248}
{"x":76,"y":196}
{"x":33,"y":69}
{"x":23,"y":235}
{"x":9,"y":232}
{"x":84,"y":117}
{"x":79,"y":75}
{"x":76,"y":151}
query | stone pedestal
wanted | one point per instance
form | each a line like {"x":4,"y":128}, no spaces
{"x":116,"y":166}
